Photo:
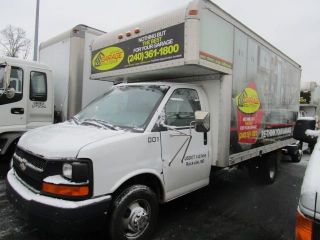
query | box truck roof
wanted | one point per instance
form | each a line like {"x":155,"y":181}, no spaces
{"x":76,"y":31}
{"x":201,"y":35}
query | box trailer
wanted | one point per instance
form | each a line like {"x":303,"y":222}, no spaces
{"x":68,"y":55}
{"x":200,"y":92}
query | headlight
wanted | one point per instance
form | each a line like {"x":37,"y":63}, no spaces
{"x":67,"y":170}
{"x":76,"y":171}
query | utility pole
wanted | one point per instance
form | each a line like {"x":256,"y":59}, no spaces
{"x":35,"y":47}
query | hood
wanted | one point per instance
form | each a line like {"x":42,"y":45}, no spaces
{"x":63,"y":140}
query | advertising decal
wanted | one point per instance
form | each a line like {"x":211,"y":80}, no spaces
{"x":163,"y":45}
{"x":249,"y":114}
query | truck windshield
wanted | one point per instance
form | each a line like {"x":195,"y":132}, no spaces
{"x":124,"y":107}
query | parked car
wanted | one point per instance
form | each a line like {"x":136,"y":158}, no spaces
{"x":308,"y":212}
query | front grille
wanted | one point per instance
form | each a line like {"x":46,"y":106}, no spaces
{"x":32,"y":182}
{"x":37,"y":162}
{"x":29,"y":168}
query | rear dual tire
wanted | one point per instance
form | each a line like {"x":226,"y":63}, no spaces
{"x":297,"y":157}
{"x":265,"y":168}
{"x":268,"y":169}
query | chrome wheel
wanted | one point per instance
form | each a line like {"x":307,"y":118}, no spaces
{"x":136,"y":219}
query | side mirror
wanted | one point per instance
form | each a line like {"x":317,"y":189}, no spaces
{"x":6,"y":77}
{"x":10,"y":92}
{"x":160,"y":124}
{"x":202,"y":120}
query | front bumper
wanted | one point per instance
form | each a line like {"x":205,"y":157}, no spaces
{"x":56,"y":214}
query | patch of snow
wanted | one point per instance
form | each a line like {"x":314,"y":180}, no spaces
{"x":312,"y":133}
{"x":306,"y":118}
{"x":58,"y":179}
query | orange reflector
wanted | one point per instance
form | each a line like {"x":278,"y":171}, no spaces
{"x":303,"y":227}
{"x":66,"y":190}
{"x":136,"y":30}
{"x":193,"y":12}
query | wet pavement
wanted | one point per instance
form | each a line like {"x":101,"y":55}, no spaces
{"x":232,"y":207}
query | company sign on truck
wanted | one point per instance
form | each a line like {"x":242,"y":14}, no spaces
{"x":163,"y":45}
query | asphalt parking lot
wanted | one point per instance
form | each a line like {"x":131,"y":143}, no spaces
{"x":232,"y":207}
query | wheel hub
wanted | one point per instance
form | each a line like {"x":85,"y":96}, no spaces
{"x":139,"y":219}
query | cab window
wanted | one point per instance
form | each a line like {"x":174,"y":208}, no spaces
{"x":181,"y":107}
{"x":38,"y":86}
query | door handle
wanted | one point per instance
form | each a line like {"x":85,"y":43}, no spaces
{"x":205,"y":138}
{"x":17,"y":110}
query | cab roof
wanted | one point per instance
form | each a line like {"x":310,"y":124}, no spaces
{"x":23,"y":62}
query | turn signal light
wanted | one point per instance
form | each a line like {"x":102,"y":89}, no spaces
{"x":66,"y":190}
{"x":303,"y":227}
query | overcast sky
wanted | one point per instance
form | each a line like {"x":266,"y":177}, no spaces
{"x":290,"y":25}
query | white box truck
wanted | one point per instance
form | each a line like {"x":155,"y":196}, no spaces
{"x":200,"y":92}
{"x":68,"y":55}
{"x":26,"y":100}
{"x":50,"y":91}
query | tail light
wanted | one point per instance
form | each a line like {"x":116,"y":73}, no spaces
{"x":304,"y":227}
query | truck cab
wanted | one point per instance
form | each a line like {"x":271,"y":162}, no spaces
{"x":26,"y":100}
{"x":143,"y":136}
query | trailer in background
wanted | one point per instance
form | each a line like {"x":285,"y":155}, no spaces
{"x":68,"y":55}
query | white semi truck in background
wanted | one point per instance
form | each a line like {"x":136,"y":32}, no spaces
{"x":51,"y":90}
{"x":201,"y":92}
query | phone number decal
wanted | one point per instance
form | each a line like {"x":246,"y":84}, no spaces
{"x":163,"y":45}
{"x":150,"y":54}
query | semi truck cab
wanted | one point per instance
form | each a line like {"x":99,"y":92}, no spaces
{"x":26,"y":100}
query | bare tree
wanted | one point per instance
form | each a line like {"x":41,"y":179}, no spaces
{"x":14,"y":43}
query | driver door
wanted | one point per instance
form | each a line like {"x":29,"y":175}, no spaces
{"x":185,"y":154}
{"x":13,"y":108}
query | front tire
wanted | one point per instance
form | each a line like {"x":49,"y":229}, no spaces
{"x":134,"y":214}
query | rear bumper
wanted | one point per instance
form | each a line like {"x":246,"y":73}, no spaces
{"x":56,"y":214}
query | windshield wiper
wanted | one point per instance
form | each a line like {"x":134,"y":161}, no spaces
{"x":100,"y":123}
{"x":75,"y":119}
{"x":107,"y":124}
